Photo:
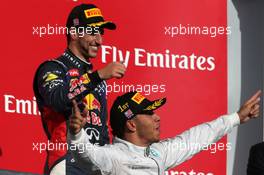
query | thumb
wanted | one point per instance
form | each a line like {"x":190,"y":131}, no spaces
{"x":123,"y":63}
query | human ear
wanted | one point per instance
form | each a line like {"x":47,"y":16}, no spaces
{"x":131,"y":125}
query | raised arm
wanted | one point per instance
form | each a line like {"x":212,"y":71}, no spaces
{"x":89,"y":156}
{"x":57,"y":87}
{"x":192,"y":141}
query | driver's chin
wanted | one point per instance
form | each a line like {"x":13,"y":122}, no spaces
{"x":92,"y":54}
{"x":93,"y":51}
{"x":157,"y":139}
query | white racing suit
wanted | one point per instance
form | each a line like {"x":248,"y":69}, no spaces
{"x":125,"y":158}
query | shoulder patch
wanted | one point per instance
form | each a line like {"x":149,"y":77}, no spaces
{"x":50,"y":77}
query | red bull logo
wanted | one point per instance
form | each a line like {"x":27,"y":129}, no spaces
{"x":84,"y":79}
{"x":91,"y":102}
{"x":94,"y":119}
{"x":73,"y":84}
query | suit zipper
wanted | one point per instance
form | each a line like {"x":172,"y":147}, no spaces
{"x":157,"y":165}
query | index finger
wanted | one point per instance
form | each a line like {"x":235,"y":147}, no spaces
{"x":75,"y":108}
{"x":254,"y":97}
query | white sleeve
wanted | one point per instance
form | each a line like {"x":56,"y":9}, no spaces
{"x":90,"y":156}
{"x":184,"y":146}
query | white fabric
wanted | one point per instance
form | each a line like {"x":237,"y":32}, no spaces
{"x":125,"y":158}
{"x":59,"y":169}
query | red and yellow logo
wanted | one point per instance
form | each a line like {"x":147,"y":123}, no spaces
{"x":91,"y":102}
{"x":94,"y":12}
{"x":85,"y":79}
{"x":138,"y":98}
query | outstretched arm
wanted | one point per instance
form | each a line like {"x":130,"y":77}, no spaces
{"x":250,"y":109}
{"x":192,"y":141}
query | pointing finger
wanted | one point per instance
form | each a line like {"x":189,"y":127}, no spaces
{"x":254,"y":98}
{"x":75,"y":108}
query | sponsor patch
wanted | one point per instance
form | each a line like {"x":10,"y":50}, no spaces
{"x":73,"y":84}
{"x":75,"y":88}
{"x":94,"y":12}
{"x":76,"y":92}
{"x":94,"y":119}
{"x":85,"y":79}
{"x":73,"y":72}
{"x":91,"y":102}
{"x":52,"y":84}
{"x":138,"y":98}
{"x":154,"y":105}
{"x":50,"y":77}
